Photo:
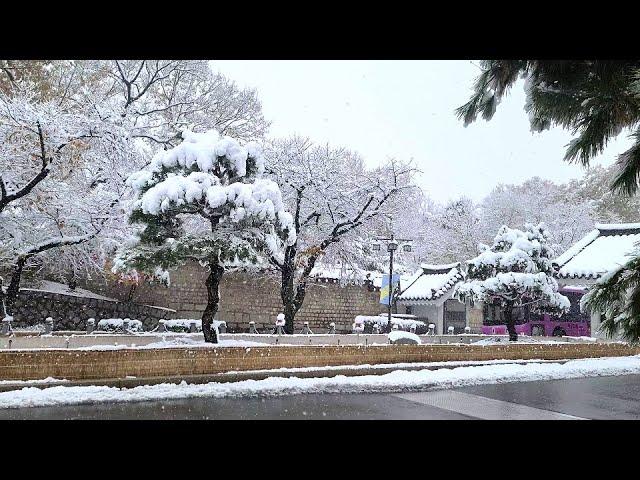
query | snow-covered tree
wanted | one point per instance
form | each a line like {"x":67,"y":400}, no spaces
{"x":335,"y":202}
{"x":454,"y":231}
{"x":205,"y":200}
{"x":605,"y":206}
{"x":153,"y":99}
{"x":566,"y":216}
{"x":52,"y":193}
{"x":116,"y":113}
{"x":162,"y":98}
{"x":515,"y":271}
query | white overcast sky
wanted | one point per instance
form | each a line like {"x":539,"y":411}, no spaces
{"x":405,"y":109}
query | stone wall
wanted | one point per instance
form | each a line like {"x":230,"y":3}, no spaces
{"x":249,"y":297}
{"x":71,"y":312}
{"x":180,"y":362}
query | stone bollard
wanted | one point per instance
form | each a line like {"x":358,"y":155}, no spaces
{"x":48,"y":326}
{"x":193,"y":328}
{"x":162,"y":327}
{"x":125,"y":325}
{"x":450,"y":330}
{"x":305,"y":329}
{"x":432,"y":329}
{"x":91,"y":325}
{"x":252,"y":328}
{"x":280,"y":324}
{"x":467,"y":330}
{"x":222,"y":328}
{"x":412,"y":328}
{"x":332,"y":329}
{"x":376,"y":328}
{"x":395,"y":326}
{"x":6,"y":326}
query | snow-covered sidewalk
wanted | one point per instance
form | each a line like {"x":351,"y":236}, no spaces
{"x":399,"y":380}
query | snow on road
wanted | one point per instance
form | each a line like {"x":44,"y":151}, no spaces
{"x":395,"y":381}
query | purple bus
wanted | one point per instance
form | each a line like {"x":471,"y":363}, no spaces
{"x":573,"y":323}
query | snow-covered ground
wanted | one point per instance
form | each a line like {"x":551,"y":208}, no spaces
{"x":399,"y":380}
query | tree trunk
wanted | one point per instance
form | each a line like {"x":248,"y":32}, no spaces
{"x":14,"y":285}
{"x":510,"y":323}
{"x":3,"y":307}
{"x":213,"y":299}
{"x":288,"y":296}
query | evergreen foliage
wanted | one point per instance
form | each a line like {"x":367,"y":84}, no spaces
{"x":516,"y":271}
{"x":205,"y":201}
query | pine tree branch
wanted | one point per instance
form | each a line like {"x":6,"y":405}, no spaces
{"x":628,"y":177}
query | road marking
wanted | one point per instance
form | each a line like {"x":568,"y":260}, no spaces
{"x":482,"y":407}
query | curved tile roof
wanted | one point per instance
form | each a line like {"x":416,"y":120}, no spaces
{"x":432,"y":282}
{"x":606,"y":247}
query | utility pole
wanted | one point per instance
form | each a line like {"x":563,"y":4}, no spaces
{"x":392,"y":246}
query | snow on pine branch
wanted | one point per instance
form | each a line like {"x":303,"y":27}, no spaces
{"x":205,"y":150}
{"x":205,"y":200}
{"x":219,"y":161}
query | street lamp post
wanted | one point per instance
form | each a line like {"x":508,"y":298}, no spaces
{"x":391,"y":247}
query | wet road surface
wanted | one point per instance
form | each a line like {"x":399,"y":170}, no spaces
{"x":585,"y":398}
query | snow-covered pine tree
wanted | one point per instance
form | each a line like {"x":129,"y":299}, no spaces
{"x":205,"y":200}
{"x":514,"y":272}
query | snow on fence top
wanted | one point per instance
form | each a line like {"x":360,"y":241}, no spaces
{"x":432,"y":282}
{"x":605,"y":248}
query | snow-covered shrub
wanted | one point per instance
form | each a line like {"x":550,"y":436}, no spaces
{"x":399,"y":337}
{"x":183,"y":325}
{"x":404,"y":324}
{"x":116,"y":325}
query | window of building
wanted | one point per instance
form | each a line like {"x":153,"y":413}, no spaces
{"x":375,"y":247}
{"x":406,"y":248}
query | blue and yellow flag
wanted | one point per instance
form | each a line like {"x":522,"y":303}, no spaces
{"x":384,"y":290}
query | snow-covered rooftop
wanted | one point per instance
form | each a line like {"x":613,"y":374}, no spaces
{"x":431,"y":282}
{"x":606,"y":247}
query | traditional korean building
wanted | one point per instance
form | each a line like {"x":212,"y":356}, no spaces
{"x":428,"y":296}
{"x":606,"y":247}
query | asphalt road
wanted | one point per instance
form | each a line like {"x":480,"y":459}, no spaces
{"x":585,"y":398}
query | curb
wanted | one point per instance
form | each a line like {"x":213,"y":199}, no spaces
{"x":353,"y":371}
